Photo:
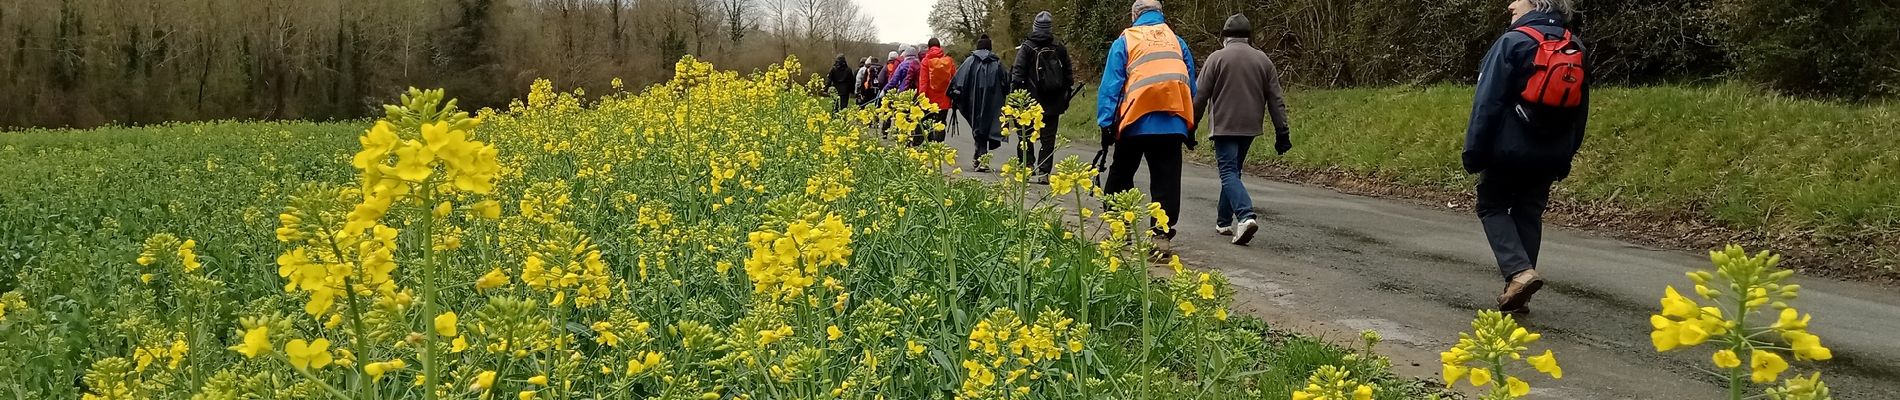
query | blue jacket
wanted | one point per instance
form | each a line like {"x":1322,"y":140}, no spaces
{"x":1108,"y":98}
{"x":1499,"y":138}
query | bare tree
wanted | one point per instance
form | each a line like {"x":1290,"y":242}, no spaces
{"x":961,"y":20}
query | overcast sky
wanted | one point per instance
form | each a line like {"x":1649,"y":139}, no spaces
{"x":904,"y":21}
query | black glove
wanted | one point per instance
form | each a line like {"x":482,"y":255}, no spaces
{"x":1109,"y":134}
{"x":1282,"y":142}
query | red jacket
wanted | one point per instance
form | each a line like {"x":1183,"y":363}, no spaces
{"x":935,"y":85}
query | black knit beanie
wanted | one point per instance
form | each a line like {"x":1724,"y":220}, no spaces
{"x":983,"y":42}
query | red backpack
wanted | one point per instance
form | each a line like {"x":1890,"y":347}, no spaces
{"x":1557,"y":74}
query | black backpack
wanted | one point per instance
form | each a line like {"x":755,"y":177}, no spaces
{"x":1050,"y":72}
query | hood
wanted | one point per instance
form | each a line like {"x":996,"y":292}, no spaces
{"x":1043,"y":31}
{"x":984,"y":56}
{"x":840,"y":63}
{"x":933,"y":52}
{"x":1540,"y":18}
{"x":1151,"y":17}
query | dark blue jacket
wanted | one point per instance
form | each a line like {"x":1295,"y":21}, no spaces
{"x":1498,"y":137}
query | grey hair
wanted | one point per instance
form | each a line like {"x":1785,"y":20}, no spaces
{"x":1564,"y":7}
{"x":1142,"y":6}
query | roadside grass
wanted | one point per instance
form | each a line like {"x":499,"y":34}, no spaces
{"x":1770,"y":166}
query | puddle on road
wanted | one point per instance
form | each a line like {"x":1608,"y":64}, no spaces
{"x":1253,"y":281}
{"x":1388,"y":329}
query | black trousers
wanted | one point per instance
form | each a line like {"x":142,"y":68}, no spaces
{"x":1511,"y":207}
{"x":918,"y":137}
{"x":1027,"y":151}
{"x":1163,"y":153}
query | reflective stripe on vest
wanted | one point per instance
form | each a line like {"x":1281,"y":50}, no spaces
{"x":1157,"y":76}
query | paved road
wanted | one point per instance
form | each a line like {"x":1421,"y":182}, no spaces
{"x":1332,"y":264}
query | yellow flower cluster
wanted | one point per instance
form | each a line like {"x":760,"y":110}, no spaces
{"x":1194,"y":292}
{"x":1072,"y":176}
{"x":559,"y":268}
{"x":1004,"y":346}
{"x":783,"y":264}
{"x":165,"y":248}
{"x":1485,"y":353}
{"x":1333,"y":383}
{"x":1749,"y":285}
{"x":1022,"y":117}
{"x":173,"y":352}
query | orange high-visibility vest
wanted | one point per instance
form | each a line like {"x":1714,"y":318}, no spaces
{"x":1157,"y":75}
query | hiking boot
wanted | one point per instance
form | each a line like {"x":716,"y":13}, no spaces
{"x":1517,"y":293}
{"x":1244,"y":231}
{"x":1224,"y":230}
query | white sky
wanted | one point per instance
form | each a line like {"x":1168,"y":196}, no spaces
{"x":900,"y":20}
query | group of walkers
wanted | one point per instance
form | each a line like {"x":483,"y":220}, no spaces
{"x":1526,"y":126}
{"x":974,"y":89}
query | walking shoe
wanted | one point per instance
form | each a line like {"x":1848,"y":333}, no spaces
{"x":1040,"y":179}
{"x":1244,"y":232}
{"x":1224,"y":230}
{"x":1517,"y":293}
{"x":980,"y":167}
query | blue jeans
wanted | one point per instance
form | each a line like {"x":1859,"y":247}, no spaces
{"x":1511,"y":206}
{"x":1230,"y":152}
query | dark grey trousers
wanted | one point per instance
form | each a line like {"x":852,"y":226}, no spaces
{"x":1512,"y":210}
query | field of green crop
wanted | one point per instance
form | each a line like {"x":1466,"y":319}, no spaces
{"x":716,"y":237}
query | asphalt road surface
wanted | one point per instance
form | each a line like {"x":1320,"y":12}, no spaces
{"x":1331,"y":264}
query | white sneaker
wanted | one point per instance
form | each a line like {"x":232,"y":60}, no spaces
{"x":1244,"y":231}
{"x":1224,"y":230}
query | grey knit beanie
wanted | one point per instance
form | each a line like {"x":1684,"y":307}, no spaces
{"x":1237,"y":27}
{"x":1044,"y":22}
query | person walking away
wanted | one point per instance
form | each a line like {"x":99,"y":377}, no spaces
{"x":870,"y":79}
{"x":903,"y":76}
{"x":978,"y":92}
{"x":1238,"y":88}
{"x":890,"y":66}
{"x":934,"y":73}
{"x":1145,"y":108}
{"x":1043,"y":68}
{"x":841,"y":81}
{"x":904,"y":72}
{"x":1527,"y":122}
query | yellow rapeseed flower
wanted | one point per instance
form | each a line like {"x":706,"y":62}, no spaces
{"x":1726,"y":359}
{"x":1517,"y":387}
{"x":1547,"y":364}
{"x":308,"y":355}
{"x":493,"y":279}
{"x":445,"y":324}
{"x":483,"y":381}
{"x":256,"y":342}
{"x":1767,"y":366}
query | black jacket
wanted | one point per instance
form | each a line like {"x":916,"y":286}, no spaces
{"x":979,"y":90}
{"x":1054,"y":101}
{"x":1498,"y":137}
{"x":841,"y":79}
